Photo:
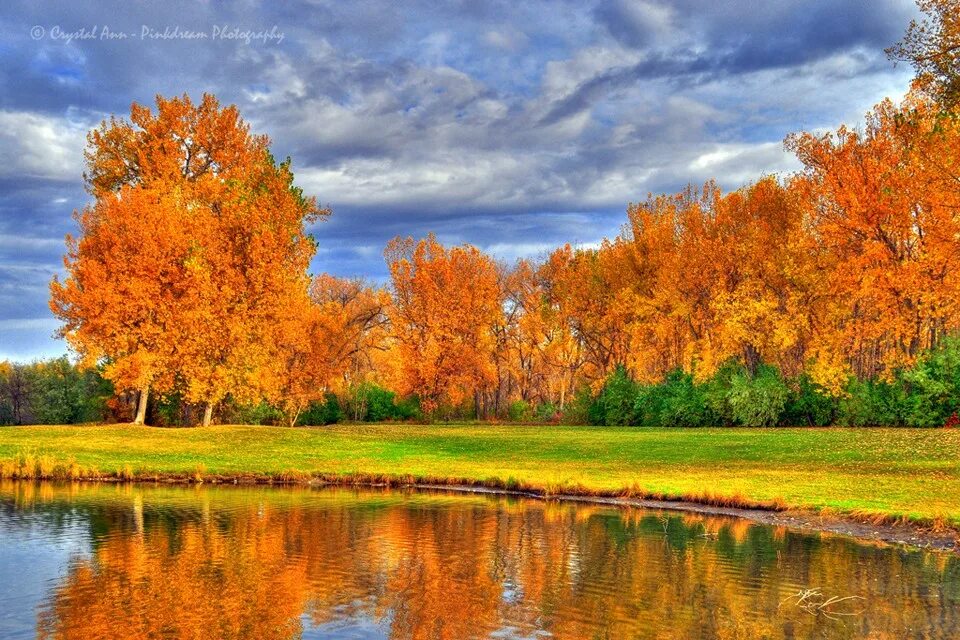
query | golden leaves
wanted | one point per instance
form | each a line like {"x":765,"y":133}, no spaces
{"x":191,"y":254}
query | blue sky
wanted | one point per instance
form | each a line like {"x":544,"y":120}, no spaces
{"x":516,"y":126}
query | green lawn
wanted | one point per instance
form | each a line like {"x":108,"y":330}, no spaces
{"x":896,"y":472}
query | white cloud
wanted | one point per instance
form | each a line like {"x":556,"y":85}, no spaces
{"x":39,"y":146}
{"x":506,"y":39}
{"x":737,"y":164}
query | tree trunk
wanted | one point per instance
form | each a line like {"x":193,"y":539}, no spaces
{"x":293,"y":416}
{"x":751,"y":359}
{"x":142,"y":406}
{"x":208,"y":414}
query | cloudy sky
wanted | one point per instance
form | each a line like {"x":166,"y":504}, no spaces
{"x":515,"y":126}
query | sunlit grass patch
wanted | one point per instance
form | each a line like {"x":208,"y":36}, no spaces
{"x":889,"y":474}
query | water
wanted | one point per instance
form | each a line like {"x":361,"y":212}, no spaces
{"x":121,"y":561}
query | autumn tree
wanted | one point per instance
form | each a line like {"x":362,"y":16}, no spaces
{"x":885,"y":215}
{"x":446,"y":303}
{"x":129,"y":282}
{"x":669,"y":274}
{"x":582,"y":288}
{"x":932,"y":46}
{"x":355,"y":326}
{"x":193,"y":249}
{"x":254,"y":280}
{"x":547,"y":356}
{"x":332,"y":342}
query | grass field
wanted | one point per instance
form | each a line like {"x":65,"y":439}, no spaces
{"x":908,"y":473}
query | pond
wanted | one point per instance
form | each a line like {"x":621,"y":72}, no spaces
{"x":141,"y":561}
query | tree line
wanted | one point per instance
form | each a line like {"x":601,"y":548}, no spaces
{"x":188,"y":280}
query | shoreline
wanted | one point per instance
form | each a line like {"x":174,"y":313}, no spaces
{"x":904,"y":534}
{"x":864,"y":528}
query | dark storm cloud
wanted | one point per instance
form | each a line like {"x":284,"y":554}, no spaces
{"x":513,"y":126}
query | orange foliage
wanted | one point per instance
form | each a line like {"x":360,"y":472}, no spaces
{"x":191,"y":258}
{"x":190,"y":275}
{"x":332,"y":342}
{"x":882,"y":204}
{"x":446,"y":303}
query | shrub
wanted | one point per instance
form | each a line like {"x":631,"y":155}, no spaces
{"x":519,"y":410}
{"x":616,"y":403}
{"x":868,"y":403}
{"x":648,"y":405}
{"x":808,"y":404}
{"x":932,"y":387}
{"x":758,"y":401}
{"x":408,"y":408}
{"x":546,"y":412}
{"x":717,"y":390}
{"x":327,"y":411}
{"x":259,"y":413}
{"x":380,"y":404}
{"x":167,"y":410}
{"x":580,"y":408}
{"x":677,"y":402}
{"x":370,"y":402}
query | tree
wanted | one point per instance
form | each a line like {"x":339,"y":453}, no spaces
{"x":16,"y":389}
{"x":254,"y":284}
{"x":537,"y":349}
{"x":582,"y":291}
{"x":884,"y":215}
{"x":933,"y":47}
{"x":190,"y":256}
{"x":129,"y":281}
{"x":331,"y":342}
{"x":446,"y":302}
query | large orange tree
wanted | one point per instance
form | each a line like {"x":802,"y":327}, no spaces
{"x":190,"y":257}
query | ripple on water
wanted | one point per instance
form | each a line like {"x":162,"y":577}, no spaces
{"x":114,"y":561}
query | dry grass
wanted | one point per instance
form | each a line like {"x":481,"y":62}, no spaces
{"x":28,"y":465}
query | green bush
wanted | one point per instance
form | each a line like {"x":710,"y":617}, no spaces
{"x":546,"y":412}
{"x":615,"y":406}
{"x":931,"y":391}
{"x":758,"y":400}
{"x":676,"y":402}
{"x":368,"y":402}
{"x":519,"y":410}
{"x":870,"y":403}
{"x":326,"y":411}
{"x":580,"y":408}
{"x":809,"y":405}
{"x":380,"y":404}
{"x":717,"y":392}
{"x":166,"y":410}
{"x":258,"y":413}
{"x":408,"y":408}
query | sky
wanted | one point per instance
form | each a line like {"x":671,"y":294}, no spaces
{"x":514,"y":126}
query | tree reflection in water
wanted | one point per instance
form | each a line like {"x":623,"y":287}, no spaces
{"x":287,"y":563}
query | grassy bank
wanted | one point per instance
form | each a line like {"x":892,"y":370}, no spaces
{"x":887,"y":473}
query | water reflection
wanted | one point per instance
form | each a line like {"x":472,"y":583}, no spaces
{"x":167,"y":562}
